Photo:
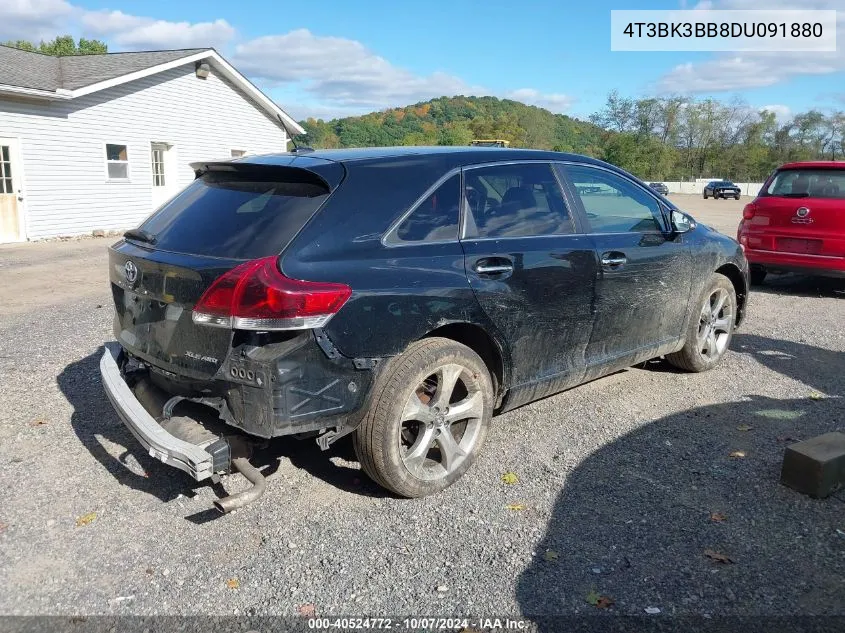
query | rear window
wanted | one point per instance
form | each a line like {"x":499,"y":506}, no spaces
{"x":237,"y":215}
{"x":807,"y":183}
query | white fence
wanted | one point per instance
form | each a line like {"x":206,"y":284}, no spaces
{"x":745,"y":188}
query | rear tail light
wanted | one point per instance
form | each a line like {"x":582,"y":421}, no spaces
{"x":256,"y":296}
{"x":748,"y":211}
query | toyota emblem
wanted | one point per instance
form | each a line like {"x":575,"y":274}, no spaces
{"x":130,"y":271}
{"x":802,"y":212}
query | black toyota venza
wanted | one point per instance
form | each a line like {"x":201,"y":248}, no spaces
{"x":403,"y":295}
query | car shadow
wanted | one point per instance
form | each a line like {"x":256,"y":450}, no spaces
{"x":97,"y":425}
{"x":801,"y":286}
{"x":644,"y":520}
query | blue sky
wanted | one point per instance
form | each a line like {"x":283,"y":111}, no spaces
{"x":333,"y":58}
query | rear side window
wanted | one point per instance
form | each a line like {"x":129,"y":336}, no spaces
{"x":807,"y":183}
{"x":236,"y":215}
{"x":435,"y":218}
{"x":519,"y":200}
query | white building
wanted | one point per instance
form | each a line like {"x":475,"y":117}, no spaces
{"x":98,"y":141}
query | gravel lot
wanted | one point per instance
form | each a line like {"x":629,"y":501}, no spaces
{"x":617,"y":479}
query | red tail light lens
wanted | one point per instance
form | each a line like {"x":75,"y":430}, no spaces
{"x":748,"y":211}
{"x":256,"y":296}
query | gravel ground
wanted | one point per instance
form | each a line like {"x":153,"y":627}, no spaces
{"x":617,"y":481}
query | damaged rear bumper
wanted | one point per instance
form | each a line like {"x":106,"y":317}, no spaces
{"x":160,"y":444}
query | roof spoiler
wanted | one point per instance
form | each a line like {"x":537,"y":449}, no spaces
{"x":261,"y":170}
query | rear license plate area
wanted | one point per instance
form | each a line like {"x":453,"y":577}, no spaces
{"x":799,"y":246}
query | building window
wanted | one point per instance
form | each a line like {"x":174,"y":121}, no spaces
{"x":238,"y":153}
{"x":117,"y":162}
{"x":157,"y":157}
{"x":5,"y":170}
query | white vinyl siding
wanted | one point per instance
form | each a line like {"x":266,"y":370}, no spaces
{"x":68,"y":191}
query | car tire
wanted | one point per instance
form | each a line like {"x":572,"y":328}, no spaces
{"x":710,"y":328}
{"x":402,"y":441}
{"x":758,"y":275}
{"x":705,"y":195}
{"x":736,"y":197}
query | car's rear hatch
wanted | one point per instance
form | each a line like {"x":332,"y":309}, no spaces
{"x":800,"y":212}
{"x":232,"y":213}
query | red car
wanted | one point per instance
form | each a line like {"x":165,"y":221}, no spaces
{"x":797,"y":222}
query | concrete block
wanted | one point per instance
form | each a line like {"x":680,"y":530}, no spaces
{"x":815,"y":467}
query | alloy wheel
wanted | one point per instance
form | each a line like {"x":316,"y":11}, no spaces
{"x":714,"y":325}
{"x":441,"y":422}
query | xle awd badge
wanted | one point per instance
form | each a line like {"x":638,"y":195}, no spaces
{"x":130,"y":271}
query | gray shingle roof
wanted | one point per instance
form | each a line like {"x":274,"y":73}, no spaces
{"x":43,"y":72}
{"x":28,"y":70}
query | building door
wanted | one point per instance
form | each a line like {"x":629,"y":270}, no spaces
{"x":164,"y":172}
{"x":11,"y":196}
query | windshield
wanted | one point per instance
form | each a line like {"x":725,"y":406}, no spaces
{"x":808,"y":183}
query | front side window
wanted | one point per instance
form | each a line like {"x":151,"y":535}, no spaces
{"x":436,"y":217}
{"x":518,"y":200}
{"x":117,"y":162}
{"x":613,"y":204}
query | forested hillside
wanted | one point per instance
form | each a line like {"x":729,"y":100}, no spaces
{"x":456,"y":121}
{"x":670,"y":138}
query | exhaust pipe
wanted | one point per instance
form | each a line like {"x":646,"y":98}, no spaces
{"x":240,"y":499}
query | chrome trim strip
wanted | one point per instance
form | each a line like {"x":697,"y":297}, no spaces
{"x":760,"y":250}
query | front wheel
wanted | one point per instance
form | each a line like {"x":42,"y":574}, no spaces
{"x":705,"y":195}
{"x":428,"y":419}
{"x":710,"y":328}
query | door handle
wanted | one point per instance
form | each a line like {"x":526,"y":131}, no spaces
{"x":493,"y":266}
{"x":493,"y":269}
{"x":612,"y":260}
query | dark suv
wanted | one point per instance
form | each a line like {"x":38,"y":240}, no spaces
{"x":404,"y":295}
{"x":721,"y":189}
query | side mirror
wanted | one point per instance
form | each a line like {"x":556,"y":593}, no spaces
{"x":681,"y":222}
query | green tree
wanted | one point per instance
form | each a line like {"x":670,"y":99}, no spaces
{"x":61,"y":46}
{"x":457,"y":133}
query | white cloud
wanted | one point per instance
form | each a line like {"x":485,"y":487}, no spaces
{"x":550,"y":101}
{"x":33,"y":19}
{"x":782,"y":113}
{"x":341,"y":71}
{"x":754,"y":70}
{"x":138,"y":33}
{"x":335,"y":75}
{"x":36,"y":20}
{"x":348,"y":77}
